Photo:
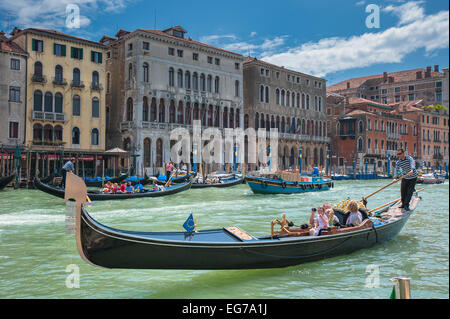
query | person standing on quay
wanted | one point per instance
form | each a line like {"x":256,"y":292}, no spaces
{"x":68,"y":167}
{"x":403,"y":166}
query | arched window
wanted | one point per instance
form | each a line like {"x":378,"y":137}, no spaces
{"x":210,"y":115}
{"x":293,"y":99}
{"x":172,"y":112}
{"x":58,"y":74}
{"x":360,"y":144}
{"x":37,"y":101}
{"x":58,"y":133}
{"x":267,"y":94}
{"x":127,"y":144}
{"x":209,"y":83}
{"x":95,"y":79}
{"x":48,"y":102}
{"x":262,"y":123}
{"x":48,"y":133}
{"x":283,"y":99}
{"x":236,"y":88}
{"x":217,"y":85}
{"x":76,"y":77}
{"x":145,"y":109}
{"x":37,"y":133}
{"x":195,"y":81}
{"x":203,"y":115}
{"x":130,"y":71}
{"x":277,"y":96}
{"x":277,"y":124}
{"x":360,"y":127}
{"x":171,"y":77}
{"x":196,"y":112}
{"x":256,"y":121}
{"x":307,"y":102}
{"x":288,"y":98}
{"x":238,"y":120}
{"x":202,"y":82}
{"x":267,"y":122}
{"x":162,"y":111}
{"x":159,"y":152}
{"x":38,"y":70}
{"x":225,"y":117}
{"x":298,"y":100}
{"x":153,"y":111}
{"x":316,"y":158}
{"x":147,"y":151}
{"x":187,"y":79}
{"x":217,"y":116}
{"x":272,"y":122}
{"x":231,"y":118}
{"x":58,"y":103}
{"x":75,"y":136}
{"x":180,"y":78}
{"x":94,"y":137}
{"x":129,"y":110}
{"x":303,"y":101}
{"x":261,"y":93}
{"x":187,"y":117}
{"x":146,"y":72}
{"x":76,"y":105}
{"x":180,"y":113}
{"x":303,"y":127}
{"x":246,"y":121}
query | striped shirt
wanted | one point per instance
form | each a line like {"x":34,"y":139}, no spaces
{"x":407,"y":165}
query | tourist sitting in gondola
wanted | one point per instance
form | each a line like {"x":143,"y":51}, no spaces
{"x":129,"y":189}
{"x":138,"y":188}
{"x":123,"y":187}
{"x":320,"y":223}
{"x":355,"y":217}
{"x":115,"y":188}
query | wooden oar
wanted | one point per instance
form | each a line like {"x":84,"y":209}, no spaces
{"x":390,"y":203}
{"x":393,"y":182}
{"x":170,"y":180}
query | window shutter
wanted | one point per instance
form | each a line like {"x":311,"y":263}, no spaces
{"x":33,"y":44}
{"x":63,"y":51}
{"x":92,"y":56}
{"x":72,"y":50}
{"x":54,"y":48}
{"x":81,"y":54}
{"x":100,"y":54}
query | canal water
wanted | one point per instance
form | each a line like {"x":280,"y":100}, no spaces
{"x":38,"y":254}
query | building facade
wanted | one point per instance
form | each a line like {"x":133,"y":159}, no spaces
{"x":292,"y":102}
{"x":429,"y":85}
{"x":64,"y":96}
{"x":159,"y":80}
{"x":13,"y":70}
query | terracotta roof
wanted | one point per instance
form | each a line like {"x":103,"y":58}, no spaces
{"x":54,"y":32}
{"x":358,"y":100}
{"x":401,"y":76}
{"x":188,"y":40}
{"x":7,"y":45}
{"x":358,"y":112}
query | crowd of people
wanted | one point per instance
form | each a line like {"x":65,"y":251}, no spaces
{"x":128,"y":188}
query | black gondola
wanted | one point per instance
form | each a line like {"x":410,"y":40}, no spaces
{"x":4,"y":181}
{"x":113,"y":180}
{"x":226,"y":248}
{"x":223,"y":183}
{"x":175,"y":180}
{"x":96,"y":195}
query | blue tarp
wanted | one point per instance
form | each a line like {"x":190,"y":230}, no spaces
{"x":162,"y":178}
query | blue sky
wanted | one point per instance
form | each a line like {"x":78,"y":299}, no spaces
{"x":323,"y":37}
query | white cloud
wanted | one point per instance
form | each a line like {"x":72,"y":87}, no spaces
{"x":51,"y":14}
{"x":360,"y":3}
{"x":334,"y":54}
{"x":217,"y":37}
{"x":252,"y":34}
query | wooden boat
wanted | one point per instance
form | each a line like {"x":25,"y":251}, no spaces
{"x":224,"y":182}
{"x":261,"y":185}
{"x":224,"y":248}
{"x":99,"y":183}
{"x":97,"y":195}
{"x":430,"y":179}
{"x":4,"y":181}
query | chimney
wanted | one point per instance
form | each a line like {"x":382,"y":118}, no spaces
{"x":15,"y":31}
{"x":436,"y":68}
{"x":385,"y":77}
{"x":428,"y":72}
{"x":418,"y":75}
{"x":348,"y":85}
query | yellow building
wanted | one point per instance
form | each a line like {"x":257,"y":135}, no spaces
{"x":65,"y":98}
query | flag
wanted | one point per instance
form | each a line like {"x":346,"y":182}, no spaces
{"x":297,"y":131}
{"x":291,"y":130}
{"x":189,"y":224}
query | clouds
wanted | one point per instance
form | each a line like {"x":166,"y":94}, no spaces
{"x":415,"y":30}
{"x":51,"y":14}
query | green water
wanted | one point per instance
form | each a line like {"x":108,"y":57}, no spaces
{"x":35,"y":248}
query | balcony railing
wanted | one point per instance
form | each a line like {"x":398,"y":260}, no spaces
{"x":38,"y":78}
{"x":77,"y":84}
{"x":96,"y":87}
{"x":49,"y":116}
{"x":59,"y":81}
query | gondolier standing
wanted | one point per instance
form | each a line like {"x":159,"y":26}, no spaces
{"x":68,"y":167}
{"x":403,"y":166}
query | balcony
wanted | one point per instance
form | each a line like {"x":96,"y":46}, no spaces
{"x":38,"y":78}
{"x":438,"y":156}
{"x":48,"y":143}
{"x":77,"y":84}
{"x":59,"y":81}
{"x":393,"y":135}
{"x":124,"y":126}
{"x":49,"y":116}
{"x":96,"y":87}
